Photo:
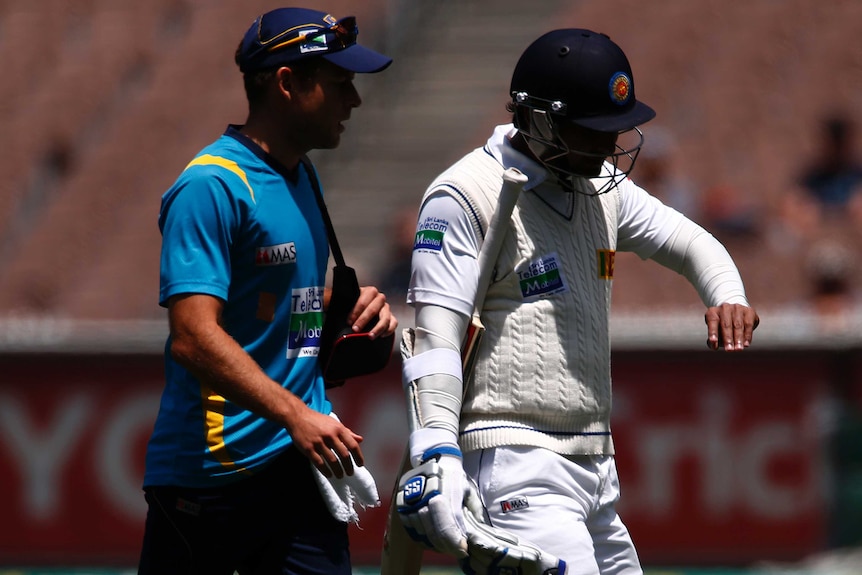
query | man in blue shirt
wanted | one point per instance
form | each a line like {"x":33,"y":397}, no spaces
{"x":243,"y":267}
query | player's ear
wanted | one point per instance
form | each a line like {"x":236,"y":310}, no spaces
{"x":295,"y":78}
{"x":284,"y":79}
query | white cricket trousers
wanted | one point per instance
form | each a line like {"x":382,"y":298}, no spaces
{"x":563,"y":504}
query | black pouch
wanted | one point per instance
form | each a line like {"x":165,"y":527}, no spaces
{"x":343,"y":353}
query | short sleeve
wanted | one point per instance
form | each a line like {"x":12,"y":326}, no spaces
{"x":445,"y":268}
{"x":198,"y":221}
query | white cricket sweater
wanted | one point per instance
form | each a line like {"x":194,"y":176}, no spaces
{"x":543,"y":372}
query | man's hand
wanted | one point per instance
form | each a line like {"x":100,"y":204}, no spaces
{"x":372,"y":303}
{"x":494,"y":551}
{"x":327,"y":443}
{"x":731,"y":326}
{"x":200,"y":344}
{"x":430,"y":500}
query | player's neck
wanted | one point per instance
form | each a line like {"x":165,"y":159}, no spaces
{"x":262,"y":134}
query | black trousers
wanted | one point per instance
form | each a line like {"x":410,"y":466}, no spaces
{"x":272,"y":523}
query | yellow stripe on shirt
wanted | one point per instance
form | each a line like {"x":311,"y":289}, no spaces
{"x":230,"y":165}
{"x":214,"y":405}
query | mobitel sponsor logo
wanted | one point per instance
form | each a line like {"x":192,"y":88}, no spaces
{"x":429,"y":236}
{"x":541,"y":277}
{"x":306,"y":322}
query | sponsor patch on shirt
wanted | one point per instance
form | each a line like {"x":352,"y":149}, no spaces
{"x":541,"y":277}
{"x":306,"y":322}
{"x":514,"y":504}
{"x":279,"y":255}
{"x":429,"y":234}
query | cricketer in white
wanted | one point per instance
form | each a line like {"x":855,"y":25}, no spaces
{"x":531,"y":428}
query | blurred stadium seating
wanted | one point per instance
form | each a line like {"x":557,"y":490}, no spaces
{"x":103,"y":102}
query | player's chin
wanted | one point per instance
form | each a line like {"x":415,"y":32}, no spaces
{"x":585,"y":167}
{"x":330,"y":143}
{"x":588,"y":171}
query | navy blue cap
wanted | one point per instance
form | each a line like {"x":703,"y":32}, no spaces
{"x":584,"y":76}
{"x":286,"y":35}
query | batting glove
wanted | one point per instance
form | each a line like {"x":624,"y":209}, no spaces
{"x":430,"y":500}
{"x":493,"y":551}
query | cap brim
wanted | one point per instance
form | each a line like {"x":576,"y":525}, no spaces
{"x":359,"y":59}
{"x":639,"y":114}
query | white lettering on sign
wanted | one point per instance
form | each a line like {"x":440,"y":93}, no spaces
{"x":733,"y":463}
{"x":115,"y":460}
{"x":764,"y":497}
{"x":41,"y":454}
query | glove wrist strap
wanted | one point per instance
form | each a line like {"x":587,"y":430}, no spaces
{"x":428,"y":442}
{"x":439,"y":451}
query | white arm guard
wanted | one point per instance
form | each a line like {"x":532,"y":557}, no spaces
{"x":432,"y":381}
{"x":705,"y":263}
{"x":430,"y":496}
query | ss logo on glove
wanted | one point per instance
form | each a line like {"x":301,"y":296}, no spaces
{"x":413,"y":490}
{"x":417,"y":490}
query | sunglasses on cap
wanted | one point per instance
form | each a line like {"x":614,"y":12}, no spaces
{"x":344,"y":32}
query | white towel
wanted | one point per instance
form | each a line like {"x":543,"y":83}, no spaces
{"x":340,"y":495}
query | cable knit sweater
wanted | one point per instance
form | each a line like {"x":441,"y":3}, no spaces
{"x":542,"y":376}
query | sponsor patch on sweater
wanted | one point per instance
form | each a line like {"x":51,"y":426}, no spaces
{"x":541,"y":277}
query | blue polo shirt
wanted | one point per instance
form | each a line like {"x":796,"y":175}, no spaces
{"x":238,"y":226}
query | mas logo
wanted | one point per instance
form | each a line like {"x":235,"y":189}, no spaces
{"x":429,"y":235}
{"x":306,"y":322}
{"x":514,"y":504}
{"x":541,"y":277}
{"x":279,"y":255}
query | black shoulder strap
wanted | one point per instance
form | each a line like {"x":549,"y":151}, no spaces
{"x":330,"y":231}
